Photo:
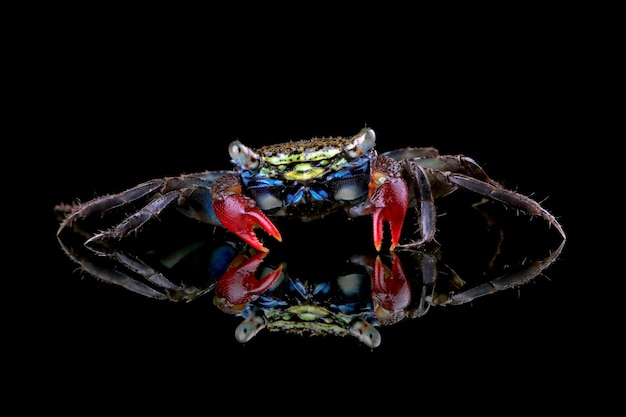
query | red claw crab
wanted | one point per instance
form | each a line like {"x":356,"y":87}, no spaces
{"x":311,"y":178}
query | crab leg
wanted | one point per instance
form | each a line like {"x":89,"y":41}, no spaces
{"x":507,"y":197}
{"x":239,"y":213}
{"x":118,"y":277}
{"x":389,"y":199}
{"x":426,"y":205}
{"x":135,"y":221}
{"x":428,"y":265}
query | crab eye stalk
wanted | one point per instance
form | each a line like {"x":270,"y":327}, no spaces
{"x":243,"y":156}
{"x":361,"y":143}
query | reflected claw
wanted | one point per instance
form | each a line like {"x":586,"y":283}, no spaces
{"x":239,"y":284}
{"x":390,"y":201}
{"x":240,"y":215}
{"x":391,"y":290}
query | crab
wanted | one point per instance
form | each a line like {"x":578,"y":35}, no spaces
{"x":305,"y":180}
{"x":308,"y":179}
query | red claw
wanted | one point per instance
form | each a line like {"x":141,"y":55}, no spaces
{"x":390,"y":201}
{"x":391,"y":290}
{"x":239,"y":213}
{"x":239,"y":284}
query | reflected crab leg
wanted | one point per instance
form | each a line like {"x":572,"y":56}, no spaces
{"x":428,"y":265}
{"x":114,"y":276}
{"x":506,"y":281}
{"x":239,"y":213}
{"x":427,"y":212}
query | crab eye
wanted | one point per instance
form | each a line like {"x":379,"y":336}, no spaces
{"x":365,"y":332}
{"x":243,"y":156}
{"x":361,"y":143}
{"x":249,"y":327}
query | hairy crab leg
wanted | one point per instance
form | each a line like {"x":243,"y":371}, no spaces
{"x":447,"y":173}
{"x":239,"y":213}
{"x":104,"y":204}
{"x":136,"y":220}
{"x":507,"y":197}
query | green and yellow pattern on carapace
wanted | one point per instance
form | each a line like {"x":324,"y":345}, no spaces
{"x":305,"y":159}
{"x":304,"y":150}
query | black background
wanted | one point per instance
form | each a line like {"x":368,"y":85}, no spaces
{"x":114,"y":113}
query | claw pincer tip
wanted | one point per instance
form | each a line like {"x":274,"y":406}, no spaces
{"x":239,"y":213}
{"x":390,"y":202}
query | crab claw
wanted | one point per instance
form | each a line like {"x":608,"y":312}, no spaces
{"x":389,"y":198}
{"x":239,"y":284}
{"x":391,"y":291}
{"x":239,"y":213}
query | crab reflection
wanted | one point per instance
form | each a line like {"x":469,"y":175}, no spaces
{"x":370,"y":291}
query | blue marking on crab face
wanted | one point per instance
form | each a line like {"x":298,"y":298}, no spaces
{"x":322,"y":289}
{"x":318,"y":194}
{"x":267,"y":192}
{"x":297,"y":286}
{"x":268,"y":301}
{"x":294,"y":197}
{"x":356,"y":307}
{"x":345,"y":185}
